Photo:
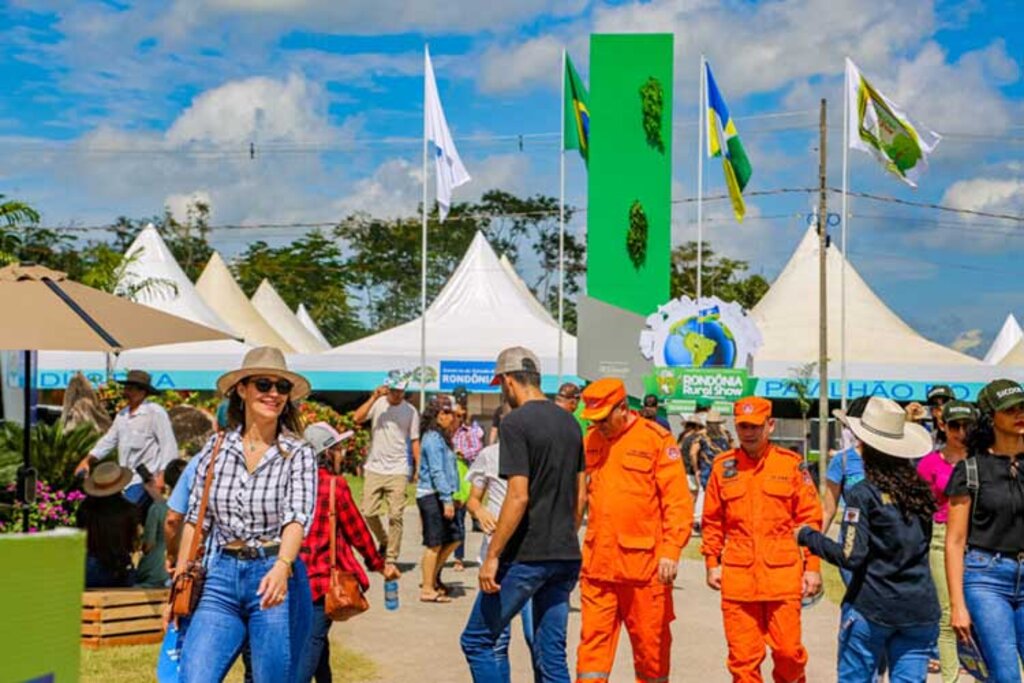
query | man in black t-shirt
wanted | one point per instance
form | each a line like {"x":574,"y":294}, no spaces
{"x":534,"y":553}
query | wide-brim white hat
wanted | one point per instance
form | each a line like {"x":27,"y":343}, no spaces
{"x":264,"y":361}
{"x":885,"y":428}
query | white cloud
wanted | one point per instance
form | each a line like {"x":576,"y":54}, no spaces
{"x":179,"y":204}
{"x":536,"y":61}
{"x":992,"y":195}
{"x":255,"y":109}
{"x":394,"y":189}
{"x":366,"y":16}
{"x":967,"y":340}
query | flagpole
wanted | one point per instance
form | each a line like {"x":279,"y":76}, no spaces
{"x":842,"y":272}
{"x":700,"y":178}
{"x":423,"y":249}
{"x":561,"y":230}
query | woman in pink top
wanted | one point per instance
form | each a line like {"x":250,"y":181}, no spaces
{"x":936,"y":468}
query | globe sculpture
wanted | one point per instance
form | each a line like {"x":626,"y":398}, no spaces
{"x":700,"y":343}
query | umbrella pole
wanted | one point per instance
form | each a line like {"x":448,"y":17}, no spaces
{"x":28,"y":484}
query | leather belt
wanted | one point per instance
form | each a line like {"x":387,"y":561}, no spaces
{"x":252,"y":553}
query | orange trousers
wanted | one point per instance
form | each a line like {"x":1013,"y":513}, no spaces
{"x":647,"y":612}
{"x":749,"y":626}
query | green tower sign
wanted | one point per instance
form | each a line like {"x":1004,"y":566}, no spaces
{"x":629,"y":209}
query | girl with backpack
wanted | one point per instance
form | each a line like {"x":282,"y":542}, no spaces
{"x":985,"y":533}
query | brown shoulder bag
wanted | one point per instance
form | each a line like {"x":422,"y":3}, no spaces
{"x":188,"y":585}
{"x":345,"y":598}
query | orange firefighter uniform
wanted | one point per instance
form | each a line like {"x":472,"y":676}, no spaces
{"x":751,"y":508}
{"x":640,"y":510}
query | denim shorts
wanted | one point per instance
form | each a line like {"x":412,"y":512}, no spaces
{"x":437,"y":530}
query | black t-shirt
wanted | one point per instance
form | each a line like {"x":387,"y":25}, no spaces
{"x":997,"y":520}
{"x":541,"y":441}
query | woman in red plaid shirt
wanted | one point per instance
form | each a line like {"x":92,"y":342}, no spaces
{"x":352,"y":531}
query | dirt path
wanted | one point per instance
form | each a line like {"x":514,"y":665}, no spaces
{"x":420,"y":642}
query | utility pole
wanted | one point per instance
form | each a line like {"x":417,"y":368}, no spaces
{"x":823,"y":391}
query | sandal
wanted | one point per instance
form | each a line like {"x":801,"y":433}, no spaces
{"x":437,"y":597}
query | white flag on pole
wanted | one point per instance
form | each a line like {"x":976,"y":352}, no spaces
{"x":450,"y":173}
{"x":879,"y":127}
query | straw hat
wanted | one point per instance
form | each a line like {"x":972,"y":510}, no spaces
{"x":885,"y":427}
{"x":106,"y":479}
{"x":264,"y":360}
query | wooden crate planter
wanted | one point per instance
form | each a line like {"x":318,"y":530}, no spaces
{"x":122,"y":616}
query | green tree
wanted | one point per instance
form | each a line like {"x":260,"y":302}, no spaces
{"x":384,"y":261}
{"x":722,"y":277}
{"x":310,"y":271}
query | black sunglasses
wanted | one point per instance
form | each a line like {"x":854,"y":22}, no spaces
{"x":263,"y":385}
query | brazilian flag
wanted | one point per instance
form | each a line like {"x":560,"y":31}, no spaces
{"x":576,"y":112}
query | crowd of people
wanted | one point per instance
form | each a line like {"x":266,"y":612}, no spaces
{"x":930,"y":543}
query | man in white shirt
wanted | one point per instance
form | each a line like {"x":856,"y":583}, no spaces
{"x":395,"y":428}
{"x":142,"y":435}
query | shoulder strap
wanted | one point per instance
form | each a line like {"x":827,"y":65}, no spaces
{"x":973,"y":483}
{"x":197,"y":536}
{"x":334,"y":524}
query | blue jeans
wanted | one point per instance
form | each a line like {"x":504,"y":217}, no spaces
{"x":229,"y":613}
{"x":526,"y":618}
{"x":994,"y":595}
{"x":863,"y":643}
{"x":318,"y":654}
{"x":548,"y":584}
{"x":98,"y":576}
{"x":460,"y":532}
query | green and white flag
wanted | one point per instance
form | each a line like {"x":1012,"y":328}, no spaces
{"x":879,"y":127}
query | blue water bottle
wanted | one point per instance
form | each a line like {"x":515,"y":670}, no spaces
{"x":391,"y":595}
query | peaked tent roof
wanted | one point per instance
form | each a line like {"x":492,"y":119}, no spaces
{"x":1014,"y":358}
{"x":276,"y":312}
{"x":481,"y":310}
{"x":787,"y":316}
{"x":525,"y":289}
{"x":221,"y":292}
{"x":150,"y":258}
{"x":1009,"y":336}
{"x":307,"y":321}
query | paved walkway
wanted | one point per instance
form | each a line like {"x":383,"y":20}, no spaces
{"x":420,"y":642}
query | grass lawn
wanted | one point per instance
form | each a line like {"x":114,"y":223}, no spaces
{"x":356,"y":485}
{"x":138,"y":663}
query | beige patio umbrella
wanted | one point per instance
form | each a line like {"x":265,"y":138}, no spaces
{"x":43,"y":310}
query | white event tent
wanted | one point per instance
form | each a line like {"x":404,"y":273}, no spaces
{"x":307,"y":321}
{"x":158,"y":282}
{"x":879,"y":345}
{"x":275,"y":311}
{"x":1014,"y":359}
{"x":219,"y":290}
{"x":483,"y":308}
{"x":1009,"y":337}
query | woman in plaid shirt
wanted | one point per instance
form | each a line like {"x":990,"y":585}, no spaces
{"x":260,"y":506}
{"x":351,"y":532}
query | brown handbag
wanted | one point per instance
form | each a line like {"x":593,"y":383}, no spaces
{"x":345,"y":598}
{"x":188,"y":585}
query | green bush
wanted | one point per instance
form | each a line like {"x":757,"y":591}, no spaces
{"x":54,"y":451}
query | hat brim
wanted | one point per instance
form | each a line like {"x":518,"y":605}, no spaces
{"x":915,"y":443}
{"x":1012,"y":402}
{"x":300,"y":385}
{"x":89,"y":485}
{"x":597,"y":414}
{"x":150,"y":389}
{"x":756,"y":420}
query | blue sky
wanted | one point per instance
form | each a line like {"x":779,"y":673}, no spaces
{"x":121,"y":108}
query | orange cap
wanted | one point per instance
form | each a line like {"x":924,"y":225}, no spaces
{"x":601,"y":396}
{"x":752,"y":410}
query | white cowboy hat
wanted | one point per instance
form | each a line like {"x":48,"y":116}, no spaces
{"x":884,"y":427}
{"x":265,"y":360}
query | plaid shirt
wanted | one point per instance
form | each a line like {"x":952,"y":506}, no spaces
{"x":468,"y":440}
{"x":255,"y":507}
{"x":351,"y":532}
